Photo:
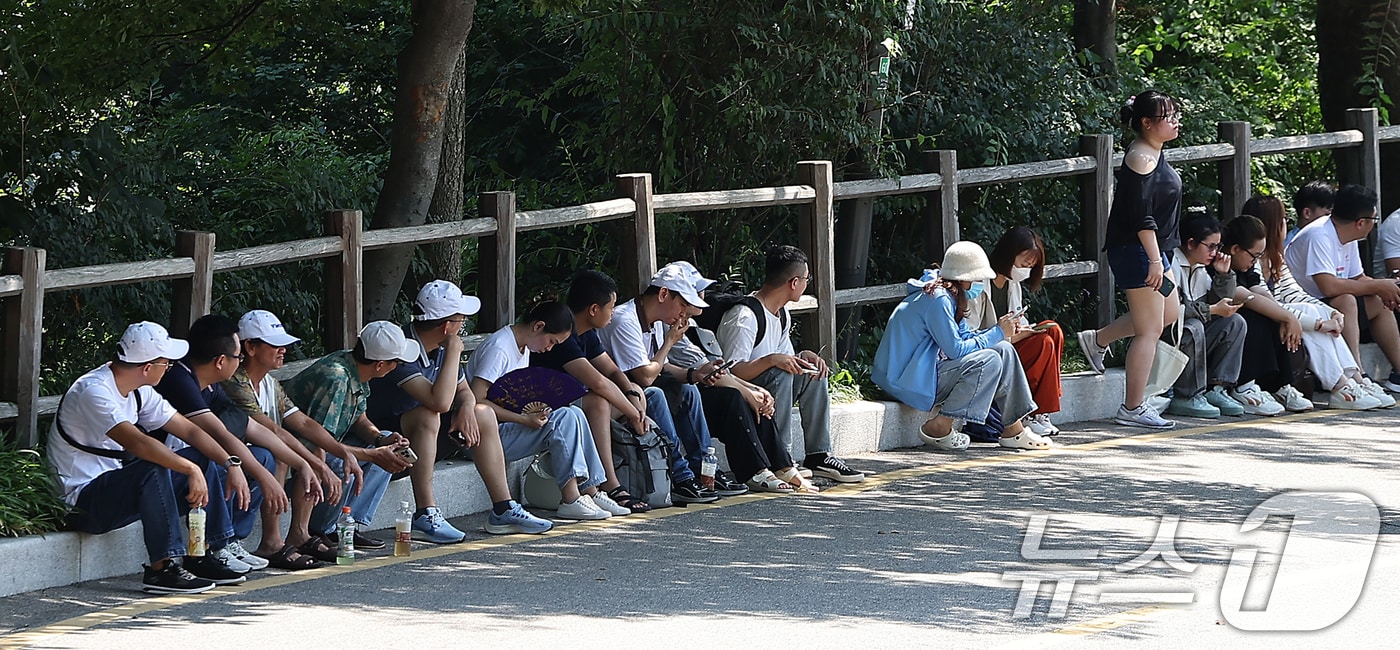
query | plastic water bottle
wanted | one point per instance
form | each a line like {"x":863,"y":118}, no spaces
{"x":708,"y":466}
{"x":345,"y":531}
{"x":403,"y":531}
{"x":196,"y":548}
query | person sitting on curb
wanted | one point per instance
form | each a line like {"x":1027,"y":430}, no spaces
{"x":1326,"y":262}
{"x":334,"y":391}
{"x":115,"y":473}
{"x":1212,"y":332}
{"x":773,"y":363}
{"x":930,"y":359}
{"x":740,"y":413}
{"x":253,"y":389}
{"x":592,"y":298}
{"x":193,"y":387}
{"x":564,"y":431}
{"x":430,"y":398}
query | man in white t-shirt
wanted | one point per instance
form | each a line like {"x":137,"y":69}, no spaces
{"x":636,"y":340}
{"x":771,"y":362}
{"x":1326,"y":261}
{"x":104,"y":420}
{"x":1388,"y":244}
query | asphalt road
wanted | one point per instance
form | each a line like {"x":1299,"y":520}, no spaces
{"x":936,"y":547}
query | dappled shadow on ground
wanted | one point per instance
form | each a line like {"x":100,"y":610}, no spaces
{"x":929,"y":550}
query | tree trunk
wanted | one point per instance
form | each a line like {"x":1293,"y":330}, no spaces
{"x":1096,"y":30}
{"x":425,"y":69}
{"x":1343,"y":51}
{"x":445,"y":258}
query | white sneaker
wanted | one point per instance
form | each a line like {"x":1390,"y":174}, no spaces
{"x":1377,"y":392}
{"x":605,"y":502}
{"x":235,"y":548}
{"x":1293,"y":400}
{"x":582,"y":510}
{"x":1142,"y":416}
{"x":1352,"y":398}
{"x":1089,"y":343}
{"x":1041,"y":425}
{"x":234,"y":564}
{"x":1255,"y":401}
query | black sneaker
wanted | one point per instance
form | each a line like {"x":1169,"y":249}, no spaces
{"x":364,"y":542}
{"x":726,"y":486}
{"x":173,"y":579}
{"x":690,"y":491}
{"x":833,"y":468}
{"x":210,"y":568}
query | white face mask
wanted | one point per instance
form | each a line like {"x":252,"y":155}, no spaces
{"x":1020,"y":273}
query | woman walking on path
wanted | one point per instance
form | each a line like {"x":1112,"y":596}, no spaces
{"x":1142,"y":230}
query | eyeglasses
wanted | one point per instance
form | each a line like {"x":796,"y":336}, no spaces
{"x":237,"y":357}
{"x":163,"y":364}
{"x":1174,"y":118}
{"x":1255,"y":256}
{"x":1212,"y":247}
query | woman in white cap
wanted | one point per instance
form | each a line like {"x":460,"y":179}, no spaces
{"x":933,"y":361}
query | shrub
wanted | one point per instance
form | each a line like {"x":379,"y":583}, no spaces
{"x":29,"y":503}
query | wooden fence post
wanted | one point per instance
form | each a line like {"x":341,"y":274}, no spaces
{"x":816,"y":234}
{"x":192,"y":297}
{"x":344,"y":280}
{"x":1235,"y":184}
{"x":24,"y":327}
{"x":941,"y":216}
{"x":1095,"y":199}
{"x":639,"y":233}
{"x":497,"y":255}
{"x":1365,"y":169}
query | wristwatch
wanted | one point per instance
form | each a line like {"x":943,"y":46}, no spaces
{"x":233,"y":461}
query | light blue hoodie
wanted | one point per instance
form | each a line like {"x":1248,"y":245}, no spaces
{"x":906,"y":365}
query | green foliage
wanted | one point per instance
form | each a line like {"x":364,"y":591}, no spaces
{"x":29,"y":504}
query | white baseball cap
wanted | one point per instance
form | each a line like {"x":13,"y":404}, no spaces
{"x":701,"y":282}
{"x":263,"y":325}
{"x":442,"y":299}
{"x":677,"y":279}
{"x":146,"y":341}
{"x":384,"y":341}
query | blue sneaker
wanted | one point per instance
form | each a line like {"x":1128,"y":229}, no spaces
{"x":435,"y":528}
{"x":516,"y":520}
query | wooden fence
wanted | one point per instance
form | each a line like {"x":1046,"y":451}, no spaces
{"x":24,"y":278}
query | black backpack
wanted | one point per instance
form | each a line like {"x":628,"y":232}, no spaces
{"x":722,"y":297}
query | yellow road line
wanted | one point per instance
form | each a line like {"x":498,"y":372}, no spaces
{"x":145,"y":606}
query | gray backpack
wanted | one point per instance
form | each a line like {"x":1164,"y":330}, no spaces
{"x":641,"y":464}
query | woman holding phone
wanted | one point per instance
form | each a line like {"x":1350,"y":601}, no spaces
{"x":1019,"y":261}
{"x":1142,"y":230}
{"x":930,"y":359}
{"x":1213,"y":334}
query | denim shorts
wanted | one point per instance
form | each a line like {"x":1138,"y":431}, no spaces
{"x":1129,"y":265}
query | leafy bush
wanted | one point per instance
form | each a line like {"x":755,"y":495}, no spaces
{"x":29,"y":504}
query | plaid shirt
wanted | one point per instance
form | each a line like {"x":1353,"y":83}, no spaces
{"x":330,"y":392}
{"x":240,"y":391}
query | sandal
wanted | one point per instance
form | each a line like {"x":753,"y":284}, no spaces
{"x":799,"y":484}
{"x":317,"y":548}
{"x":954,"y":440}
{"x":767,"y":481}
{"x":290,"y":559}
{"x":622,"y":497}
{"x":1025,"y":440}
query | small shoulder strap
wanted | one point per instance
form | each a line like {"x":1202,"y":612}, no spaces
{"x":96,"y":451}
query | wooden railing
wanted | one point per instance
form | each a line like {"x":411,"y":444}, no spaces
{"x":24,"y":279}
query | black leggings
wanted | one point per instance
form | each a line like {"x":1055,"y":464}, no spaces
{"x":1266,"y":361}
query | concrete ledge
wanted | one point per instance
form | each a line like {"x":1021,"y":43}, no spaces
{"x":30,"y":563}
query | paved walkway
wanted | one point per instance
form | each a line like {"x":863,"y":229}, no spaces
{"x":928,"y":550}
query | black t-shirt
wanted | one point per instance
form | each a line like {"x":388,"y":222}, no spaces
{"x":578,"y":346}
{"x":1149,"y":201}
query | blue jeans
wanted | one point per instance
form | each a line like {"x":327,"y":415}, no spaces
{"x":243,"y":519}
{"x":660,"y":412}
{"x":691,"y":427}
{"x":570,"y":443}
{"x":967,"y":386}
{"x":146,"y":492}
{"x":362,"y":507}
